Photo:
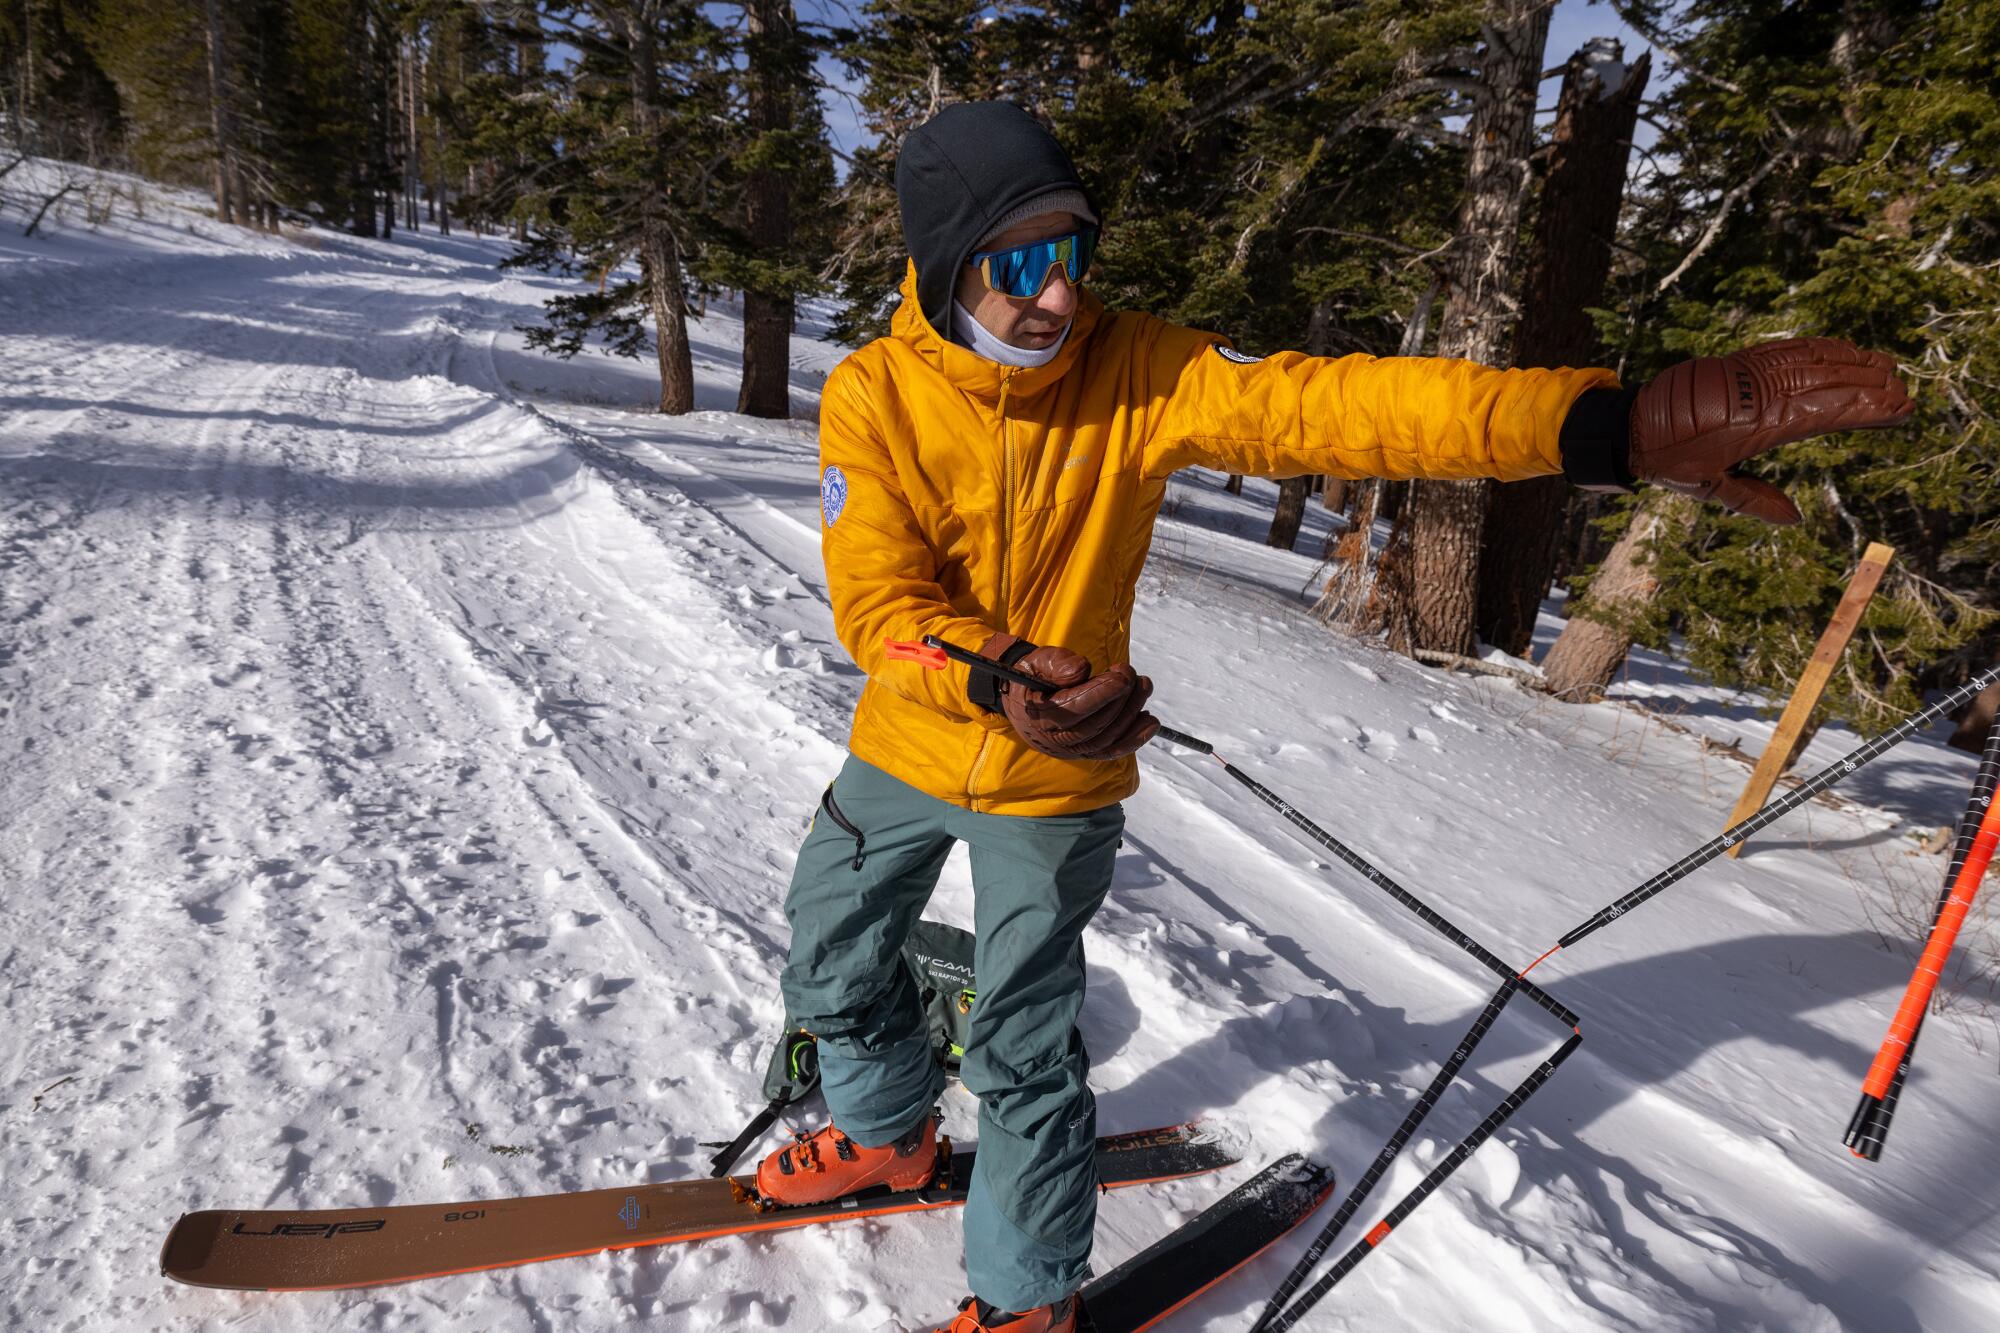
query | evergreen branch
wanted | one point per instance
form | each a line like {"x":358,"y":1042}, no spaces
{"x":1397,"y":246}
{"x":1633,"y":19}
{"x":1728,"y":204}
{"x":1437,"y":134}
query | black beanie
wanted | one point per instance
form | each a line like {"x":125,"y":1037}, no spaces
{"x":961,"y":171}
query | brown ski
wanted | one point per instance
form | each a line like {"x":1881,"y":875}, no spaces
{"x":329,"y":1248}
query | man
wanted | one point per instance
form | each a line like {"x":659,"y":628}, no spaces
{"x":990,"y":474}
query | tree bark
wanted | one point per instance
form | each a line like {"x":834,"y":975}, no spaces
{"x":218,"y":113}
{"x":659,"y":250}
{"x":413,"y":133}
{"x":1293,"y":492}
{"x":440,"y":182}
{"x":767,"y":314}
{"x":1592,"y":647}
{"x":1446,"y":518}
{"x":1568,"y":263}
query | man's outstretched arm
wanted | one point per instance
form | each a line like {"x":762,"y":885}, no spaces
{"x":1404,"y":417}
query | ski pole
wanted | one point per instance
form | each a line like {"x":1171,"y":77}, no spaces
{"x":1365,"y":1186}
{"x":1456,"y":1158}
{"x":933,"y":653}
{"x":1776,"y":810}
{"x":1868,"y":1131}
{"x":1930,"y":967}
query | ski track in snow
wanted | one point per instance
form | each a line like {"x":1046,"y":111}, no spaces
{"x":408,"y":744}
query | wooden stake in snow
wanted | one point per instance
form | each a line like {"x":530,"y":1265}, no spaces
{"x":1812,"y":684}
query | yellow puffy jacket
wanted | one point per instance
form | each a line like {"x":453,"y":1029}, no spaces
{"x":961,"y":497}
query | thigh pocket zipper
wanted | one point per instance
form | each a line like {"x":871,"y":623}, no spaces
{"x":827,"y":804}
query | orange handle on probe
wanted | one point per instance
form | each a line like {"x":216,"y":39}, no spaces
{"x":1930,"y":967}
{"x":922,"y":654}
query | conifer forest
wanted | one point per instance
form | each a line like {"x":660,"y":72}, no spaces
{"x":1390,"y":177}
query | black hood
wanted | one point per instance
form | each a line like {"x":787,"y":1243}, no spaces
{"x":958,"y":173}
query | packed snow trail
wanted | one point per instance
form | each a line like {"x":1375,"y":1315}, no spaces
{"x":407,"y":746}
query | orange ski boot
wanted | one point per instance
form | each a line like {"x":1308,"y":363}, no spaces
{"x":976,"y":1316}
{"x":818,"y":1168}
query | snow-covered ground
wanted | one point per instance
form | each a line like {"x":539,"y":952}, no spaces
{"x":406,"y":746}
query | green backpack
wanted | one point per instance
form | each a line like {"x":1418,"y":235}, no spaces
{"x":940,"y":958}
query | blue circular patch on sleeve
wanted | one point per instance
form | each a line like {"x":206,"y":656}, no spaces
{"x":832,"y":494}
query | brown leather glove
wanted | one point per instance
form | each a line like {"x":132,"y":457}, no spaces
{"x":1091,"y":717}
{"x":1693,"y":424}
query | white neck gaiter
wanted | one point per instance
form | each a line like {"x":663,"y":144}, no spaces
{"x":971,"y":334}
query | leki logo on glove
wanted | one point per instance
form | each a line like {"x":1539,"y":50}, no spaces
{"x":832,"y":495}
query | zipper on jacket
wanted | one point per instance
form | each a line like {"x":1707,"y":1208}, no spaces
{"x":1006,"y":560}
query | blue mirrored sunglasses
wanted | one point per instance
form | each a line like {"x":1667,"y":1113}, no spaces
{"x":1022,"y":272}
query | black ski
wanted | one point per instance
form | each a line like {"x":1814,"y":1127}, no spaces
{"x":1180,"y":1266}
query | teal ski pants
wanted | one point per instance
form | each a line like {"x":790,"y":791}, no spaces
{"x":1036,"y":883}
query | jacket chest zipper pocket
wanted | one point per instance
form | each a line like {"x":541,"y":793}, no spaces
{"x":827,"y":804}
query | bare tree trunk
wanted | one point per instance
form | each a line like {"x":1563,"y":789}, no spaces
{"x":1447,"y":518}
{"x":1334,"y":493}
{"x":659,"y":251}
{"x":1293,"y":492}
{"x":441,"y":182}
{"x":363,"y":202}
{"x":1234,"y":486}
{"x":1568,"y":262}
{"x":412,"y":137}
{"x":767,"y":315}
{"x":388,"y":121}
{"x":218,"y":112}
{"x":1592,"y":647}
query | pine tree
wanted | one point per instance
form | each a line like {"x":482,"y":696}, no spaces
{"x":784,"y":176}
{"x":337,"y":106}
{"x":640,"y":120}
{"x":1446,"y":518}
{"x":158,"y":54}
{"x":55,"y":99}
{"x":498,"y":109}
{"x":1566,"y":267}
{"x":1836,"y":170}
{"x":911,"y":58}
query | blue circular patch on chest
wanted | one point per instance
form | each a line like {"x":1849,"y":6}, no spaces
{"x":832,"y":495}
